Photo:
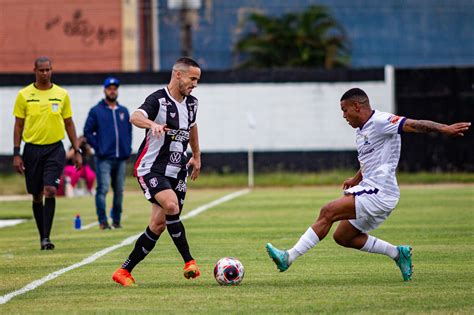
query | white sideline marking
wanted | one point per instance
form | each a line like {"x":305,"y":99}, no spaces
{"x":10,"y":222}
{"x":15,"y":197}
{"x":88,"y":226}
{"x":33,"y":285}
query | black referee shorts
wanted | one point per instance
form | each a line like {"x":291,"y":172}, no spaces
{"x":44,"y":165}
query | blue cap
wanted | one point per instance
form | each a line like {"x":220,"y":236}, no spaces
{"x":111,"y":81}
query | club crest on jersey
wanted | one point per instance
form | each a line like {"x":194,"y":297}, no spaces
{"x":55,"y":107}
{"x":173,"y":115}
{"x":122,"y":116}
{"x":181,"y":186}
{"x":153,"y":182}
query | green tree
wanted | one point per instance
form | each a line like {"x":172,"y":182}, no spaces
{"x":312,"y":38}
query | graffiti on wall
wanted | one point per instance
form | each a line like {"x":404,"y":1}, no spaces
{"x":79,"y":26}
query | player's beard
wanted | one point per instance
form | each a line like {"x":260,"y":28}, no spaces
{"x":183,"y":89}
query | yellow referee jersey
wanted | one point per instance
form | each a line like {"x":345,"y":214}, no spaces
{"x":44,"y":112}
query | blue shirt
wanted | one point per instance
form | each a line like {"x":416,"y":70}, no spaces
{"x":109,"y":131}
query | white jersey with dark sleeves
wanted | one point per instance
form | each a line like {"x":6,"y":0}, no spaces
{"x":378,"y":147}
{"x":166,"y":154}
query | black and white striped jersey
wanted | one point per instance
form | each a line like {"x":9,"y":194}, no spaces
{"x":166,"y":154}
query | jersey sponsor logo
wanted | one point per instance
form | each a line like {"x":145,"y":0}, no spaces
{"x":164,"y":102}
{"x":178,"y":135}
{"x":54,"y":100}
{"x":394,"y":119}
{"x":181,"y":186}
{"x":153,"y":182}
{"x":175,"y":157}
{"x":364,"y":152}
{"x":32,"y":100}
{"x":55,"y":107}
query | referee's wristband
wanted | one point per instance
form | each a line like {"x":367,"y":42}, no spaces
{"x":16,"y":151}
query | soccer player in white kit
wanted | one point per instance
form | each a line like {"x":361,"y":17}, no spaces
{"x":371,"y":195}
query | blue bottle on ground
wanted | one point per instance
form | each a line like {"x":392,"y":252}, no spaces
{"x":77,"y":222}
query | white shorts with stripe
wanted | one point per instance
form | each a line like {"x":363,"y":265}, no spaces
{"x":372,"y":207}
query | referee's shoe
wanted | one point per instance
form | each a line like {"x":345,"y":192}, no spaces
{"x":46,"y":244}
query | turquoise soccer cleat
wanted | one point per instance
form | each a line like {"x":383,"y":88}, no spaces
{"x":279,"y":257}
{"x":404,"y":262}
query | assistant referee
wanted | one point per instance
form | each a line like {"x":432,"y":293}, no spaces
{"x":42,"y":111}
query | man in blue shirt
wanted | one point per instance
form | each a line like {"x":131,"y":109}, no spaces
{"x":109,"y":132}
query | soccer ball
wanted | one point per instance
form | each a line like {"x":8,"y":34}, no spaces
{"x":229,"y":271}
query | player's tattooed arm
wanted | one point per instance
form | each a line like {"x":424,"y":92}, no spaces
{"x":425,"y":126}
{"x":422,"y":126}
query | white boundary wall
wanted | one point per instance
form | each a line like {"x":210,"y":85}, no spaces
{"x":288,"y":116}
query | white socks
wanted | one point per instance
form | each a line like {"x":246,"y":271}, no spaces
{"x":378,"y":246}
{"x":307,"y":241}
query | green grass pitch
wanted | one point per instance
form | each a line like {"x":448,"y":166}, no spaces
{"x":437,"y":220}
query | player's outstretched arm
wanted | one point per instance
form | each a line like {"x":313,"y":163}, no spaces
{"x":425,"y":126}
{"x":139,"y":120}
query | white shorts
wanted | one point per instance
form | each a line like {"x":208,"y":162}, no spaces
{"x":372,"y":207}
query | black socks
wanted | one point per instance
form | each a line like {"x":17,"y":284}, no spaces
{"x":39,"y":217}
{"x":178,"y":235}
{"x":144,"y":244}
{"x":49,"y":208}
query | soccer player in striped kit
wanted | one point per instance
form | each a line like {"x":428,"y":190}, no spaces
{"x":371,"y":195}
{"x":169,"y":117}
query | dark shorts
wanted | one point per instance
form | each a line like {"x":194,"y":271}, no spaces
{"x":44,"y":165}
{"x":153,"y":183}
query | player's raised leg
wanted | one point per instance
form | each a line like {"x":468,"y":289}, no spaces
{"x":339,"y":209}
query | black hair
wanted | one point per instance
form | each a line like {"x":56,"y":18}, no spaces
{"x":42,"y":59}
{"x":355,"y":94}
{"x":188,"y":62}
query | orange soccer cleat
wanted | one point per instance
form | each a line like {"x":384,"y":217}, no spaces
{"x":191,"y":270}
{"x":123,"y":277}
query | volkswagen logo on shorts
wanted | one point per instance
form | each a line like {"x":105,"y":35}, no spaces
{"x":175,"y":157}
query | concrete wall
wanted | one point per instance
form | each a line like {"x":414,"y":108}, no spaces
{"x":287,"y":116}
